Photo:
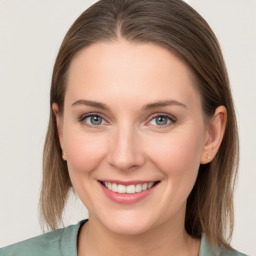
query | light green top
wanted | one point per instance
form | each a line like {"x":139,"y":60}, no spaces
{"x":63,"y":242}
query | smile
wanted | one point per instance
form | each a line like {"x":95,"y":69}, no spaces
{"x":130,"y":189}
{"x":128,"y":192}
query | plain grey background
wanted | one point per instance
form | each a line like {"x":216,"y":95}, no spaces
{"x":30,"y":35}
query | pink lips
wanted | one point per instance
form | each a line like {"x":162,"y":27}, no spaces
{"x":126,"y":183}
{"x":125,"y":198}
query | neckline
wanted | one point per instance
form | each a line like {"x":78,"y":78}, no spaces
{"x":205,"y":248}
{"x":69,"y":239}
{"x":68,"y":244}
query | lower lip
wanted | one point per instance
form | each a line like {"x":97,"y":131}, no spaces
{"x":127,"y":198}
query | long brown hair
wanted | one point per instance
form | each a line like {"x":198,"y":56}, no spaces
{"x":176,"y":26}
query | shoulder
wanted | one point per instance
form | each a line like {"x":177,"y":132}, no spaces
{"x":207,"y":250}
{"x":230,"y":252}
{"x":35,"y":246}
{"x":49,"y":244}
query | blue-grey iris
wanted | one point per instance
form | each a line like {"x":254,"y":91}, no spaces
{"x":161,"y":120}
{"x":96,"y":120}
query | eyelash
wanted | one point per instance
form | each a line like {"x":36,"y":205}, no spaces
{"x":171,"y":119}
{"x":82,"y":118}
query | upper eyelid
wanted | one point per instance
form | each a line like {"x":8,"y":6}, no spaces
{"x":173,"y":118}
{"x":83,"y":116}
{"x":172,"y":121}
{"x":162,"y":114}
{"x":152,"y":116}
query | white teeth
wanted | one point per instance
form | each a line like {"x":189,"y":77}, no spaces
{"x":114,"y":187}
{"x":130,"y":189}
{"x":109,"y":185}
{"x":138,"y":188}
{"x":145,"y":186}
{"x":150,"y":185}
{"x":121,"y":188}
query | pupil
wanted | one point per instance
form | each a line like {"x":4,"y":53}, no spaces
{"x":96,"y":120}
{"x":161,"y":120}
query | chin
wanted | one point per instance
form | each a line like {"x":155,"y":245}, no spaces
{"x":127,"y":229}
{"x":128,"y":224}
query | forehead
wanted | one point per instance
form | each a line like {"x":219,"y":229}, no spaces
{"x":124,"y":69}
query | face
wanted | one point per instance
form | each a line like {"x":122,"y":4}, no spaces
{"x":133,"y":132}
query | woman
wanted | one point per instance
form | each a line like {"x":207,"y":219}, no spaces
{"x":142,"y":127}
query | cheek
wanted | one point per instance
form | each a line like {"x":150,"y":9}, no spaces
{"x":84,"y":152}
{"x":178,"y":158}
{"x":178,"y":155}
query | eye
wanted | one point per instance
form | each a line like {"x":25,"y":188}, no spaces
{"x":93,"y":120}
{"x":162,"y":120}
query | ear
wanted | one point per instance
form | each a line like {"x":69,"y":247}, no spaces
{"x":55,"y":109}
{"x":214,"y":134}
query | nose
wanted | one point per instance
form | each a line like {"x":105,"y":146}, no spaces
{"x":125,"y":149}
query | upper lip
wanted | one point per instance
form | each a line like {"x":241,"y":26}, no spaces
{"x":131,"y":182}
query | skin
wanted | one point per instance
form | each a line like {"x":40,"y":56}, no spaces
{"x":130,"y":145}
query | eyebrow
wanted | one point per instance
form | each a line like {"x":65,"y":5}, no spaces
{"x":146,"y":107}
{"x":91,"y":104}
{"x":163,"y":103}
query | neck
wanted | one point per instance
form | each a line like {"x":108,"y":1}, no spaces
{"x":165,"y":240}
